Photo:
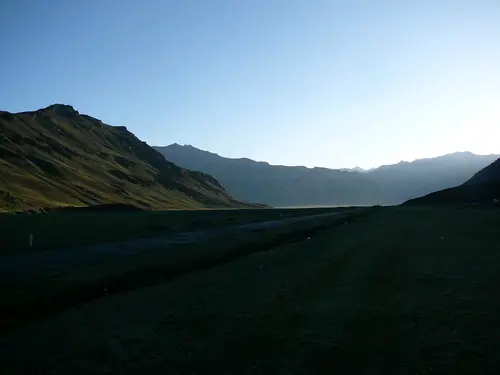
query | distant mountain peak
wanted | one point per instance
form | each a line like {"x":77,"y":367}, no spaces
{"x":185,"y":146}
{"x":459,"y":153}
{"x":355,"y":169}
{"x":62,"y":109}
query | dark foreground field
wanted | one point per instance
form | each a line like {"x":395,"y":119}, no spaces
{"x":74,"y":228}
{"x":395,"y":291}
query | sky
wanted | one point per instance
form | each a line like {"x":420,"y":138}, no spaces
{"x":294,"y":82}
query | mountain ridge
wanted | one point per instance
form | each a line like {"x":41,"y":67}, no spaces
{"x":387,"y":184}
{"x":55,"y":156}
{"x":482,"y":188}
{"x":356,"y":168}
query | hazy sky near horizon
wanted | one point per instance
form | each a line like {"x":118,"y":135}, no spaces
{"x":294,"y":82}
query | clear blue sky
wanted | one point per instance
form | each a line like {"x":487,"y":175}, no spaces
{"x":294,"y":82}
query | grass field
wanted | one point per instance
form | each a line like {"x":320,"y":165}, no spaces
{"x":61,"y":229}
{"x":36,"y":284}
{"x":397,"y":291}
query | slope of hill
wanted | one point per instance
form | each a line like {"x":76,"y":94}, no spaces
{"x":277,"y":185}
{"x":490,"y":174}
{"x":297,"y":186}
{"x":407,"y":180}
{"x":483,"y":187}
{"x":58,"y":157}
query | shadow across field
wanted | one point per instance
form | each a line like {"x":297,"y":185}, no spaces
{"x":400,"y":291}
{"x":79,"y":227}
{"x":37,"y":285}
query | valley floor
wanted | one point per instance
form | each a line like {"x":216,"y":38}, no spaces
{"x":397,"y":291}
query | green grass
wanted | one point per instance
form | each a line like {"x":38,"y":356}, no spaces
{"x":62,"y":229}
{"x":57,"y":157}
{"x":399,"y":291}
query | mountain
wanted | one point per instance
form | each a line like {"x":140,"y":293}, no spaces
{"x":407,"y":180}
{"x":355,"y":169}
{"x":483,"y":187}
{"x":277,"y":185}
{"x":56,"y":157}
{"x":300,"y":186}
{"x":490,"y":174}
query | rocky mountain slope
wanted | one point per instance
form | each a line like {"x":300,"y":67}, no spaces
{"x":300,"y":186}
{"x":57,"y":157}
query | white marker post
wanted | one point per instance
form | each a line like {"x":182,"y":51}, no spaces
{"x":31,"y":240}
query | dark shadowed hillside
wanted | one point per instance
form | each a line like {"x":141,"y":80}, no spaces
{"x":490,"y":174}
{"x":277,"y":185}
{"x":407,"y":180}
{"x":58,"y":157}
{"x":297,"y":186}
{"x":483,"y":187}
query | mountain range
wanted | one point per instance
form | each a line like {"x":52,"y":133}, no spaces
{"x":275,"y":185}
{"x":57,"y":157}
{"x":482,"y":188}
